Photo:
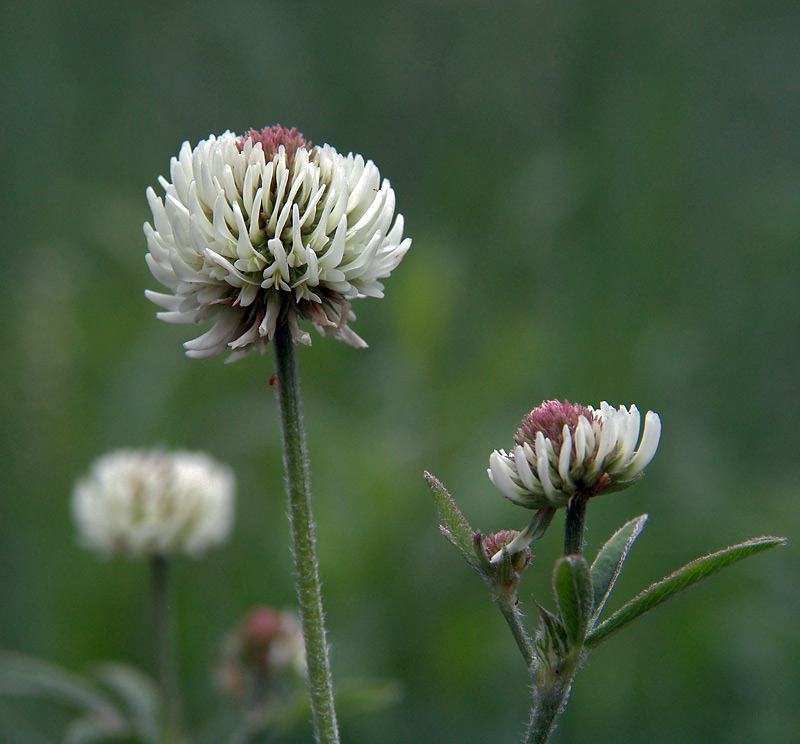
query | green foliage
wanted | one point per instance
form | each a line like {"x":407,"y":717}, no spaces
{"x":572,"y":584}
{"x":455,"y":526}
{"x":679,"y":582}
{"x":114,"y":704}
{"x":608,"y":563}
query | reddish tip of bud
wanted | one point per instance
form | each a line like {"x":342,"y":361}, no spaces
{"x":549,"y":418}
{"x":271,"y":138}
{"x":258,"y":630}
{"x":496,"y":541}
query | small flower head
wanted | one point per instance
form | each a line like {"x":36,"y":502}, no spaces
{"x":272,"y":640}
{"x":564,"y":448}
{"x":144,"y":503}
{"x":262,"y":229}
{"x":266,"y":647}
{"x":494,"y":543}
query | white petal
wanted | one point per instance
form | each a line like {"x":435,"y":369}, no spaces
{"x":499,"y":475}
{"x":543,"y":466}
{"x":524,"y":470}
{"x":565,"y":458}
{"x":628,"y":437}
{"x":582,"y":432}
{"x":608,"y":438}
{"x":648,"y":445}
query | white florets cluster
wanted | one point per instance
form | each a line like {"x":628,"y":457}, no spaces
{"x":146,"y":503}
{"x":264,"y":229}
{"x":562,"y":449}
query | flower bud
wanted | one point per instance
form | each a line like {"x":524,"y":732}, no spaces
{"x":265,"y":650}
{"x":496,"y":542}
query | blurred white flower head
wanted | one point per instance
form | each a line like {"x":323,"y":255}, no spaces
{"x":262,"y":229}
{"x":564,"y":449}
{"x":145,"y":503}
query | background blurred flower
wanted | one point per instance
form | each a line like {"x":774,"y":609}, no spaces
{"x":144,"y":503}
{"x":265,"y":650}
{"x":263,"y":229}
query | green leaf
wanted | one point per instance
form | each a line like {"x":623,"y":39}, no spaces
{"x":91,"y":730}
{"x":26,"y":676}
{"x":608,"y":564}
{"x":454,"y":526}
{"x":677,"y":582}
{"x":572,"y":585}
{"x":138,"y":694}
{"x":552,"y":638}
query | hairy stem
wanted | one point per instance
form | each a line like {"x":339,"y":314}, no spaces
{"x":514,"y":619}
{"x":549,"y":700}
{"x":304,"y":550}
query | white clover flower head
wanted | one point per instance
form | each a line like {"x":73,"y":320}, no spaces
{"x":262,"y":229}
{"x":148,"y":503}
{"x":564,"y":448}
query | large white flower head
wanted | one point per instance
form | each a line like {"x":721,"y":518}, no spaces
{"x":148,"y":503}
{"x":262,"y":229}
{"x":565,"y":449}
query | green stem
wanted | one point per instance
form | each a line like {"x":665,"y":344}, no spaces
{"x":575,"y":523}
{"x":549,"y":700}
{"x":514,"y":619}
{"x":551,"y":687}
{"x":304,"y":550}
{"x":164,"y":638}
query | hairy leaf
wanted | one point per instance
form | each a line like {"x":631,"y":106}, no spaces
{"x":678,"y":582}
{"x":608,"y":564}
{"x":454,"y":525}
{"x":573,"y":589}
{"x":27,"y":676}
{"x":138,"y":694}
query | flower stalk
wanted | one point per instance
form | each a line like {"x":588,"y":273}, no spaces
{"x":510,"y":610}
{"x":166,"y":657}
{"x":575,"y":524}
{"x":304,"y":551}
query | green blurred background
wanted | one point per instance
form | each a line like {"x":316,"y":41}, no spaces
{"x":604,"y":201}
